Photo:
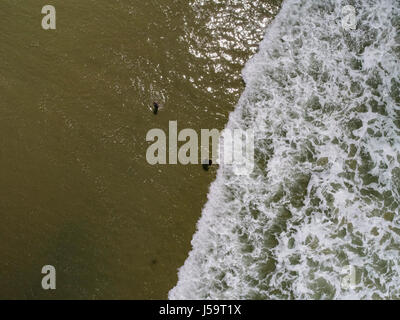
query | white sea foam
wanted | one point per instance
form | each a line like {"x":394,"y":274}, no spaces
{"x":325,"y":193}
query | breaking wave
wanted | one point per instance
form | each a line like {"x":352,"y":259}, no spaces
{"x":324,"y":196}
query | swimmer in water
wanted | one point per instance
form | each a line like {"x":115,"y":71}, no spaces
{"x":206,"y":165}
{"x":155,"y":109}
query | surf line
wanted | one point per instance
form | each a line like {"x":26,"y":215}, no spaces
{"x":176,"y":310}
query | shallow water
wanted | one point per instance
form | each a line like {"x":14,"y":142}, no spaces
{"x":319,"y":216}
{"x":75,"y":189}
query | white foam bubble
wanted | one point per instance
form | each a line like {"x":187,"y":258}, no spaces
{"x":325,"y":193}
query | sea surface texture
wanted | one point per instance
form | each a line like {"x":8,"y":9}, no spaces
{"x":319,"y":216}
{"x":76,"y":190}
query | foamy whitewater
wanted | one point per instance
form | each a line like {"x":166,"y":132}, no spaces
{"x":323,"y":200}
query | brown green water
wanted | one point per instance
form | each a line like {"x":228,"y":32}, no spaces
{"x":76,"y":191}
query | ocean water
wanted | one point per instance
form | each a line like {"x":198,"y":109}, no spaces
{"x":76,"y":191}
{"x":322,"y":204}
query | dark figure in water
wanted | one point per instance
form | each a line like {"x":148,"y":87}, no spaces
{"x":155,"y":105}
{"x":206,"y":166}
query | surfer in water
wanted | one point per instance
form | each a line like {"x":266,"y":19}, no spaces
{"x":155,"y":107}
{"x":206,"y":165}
